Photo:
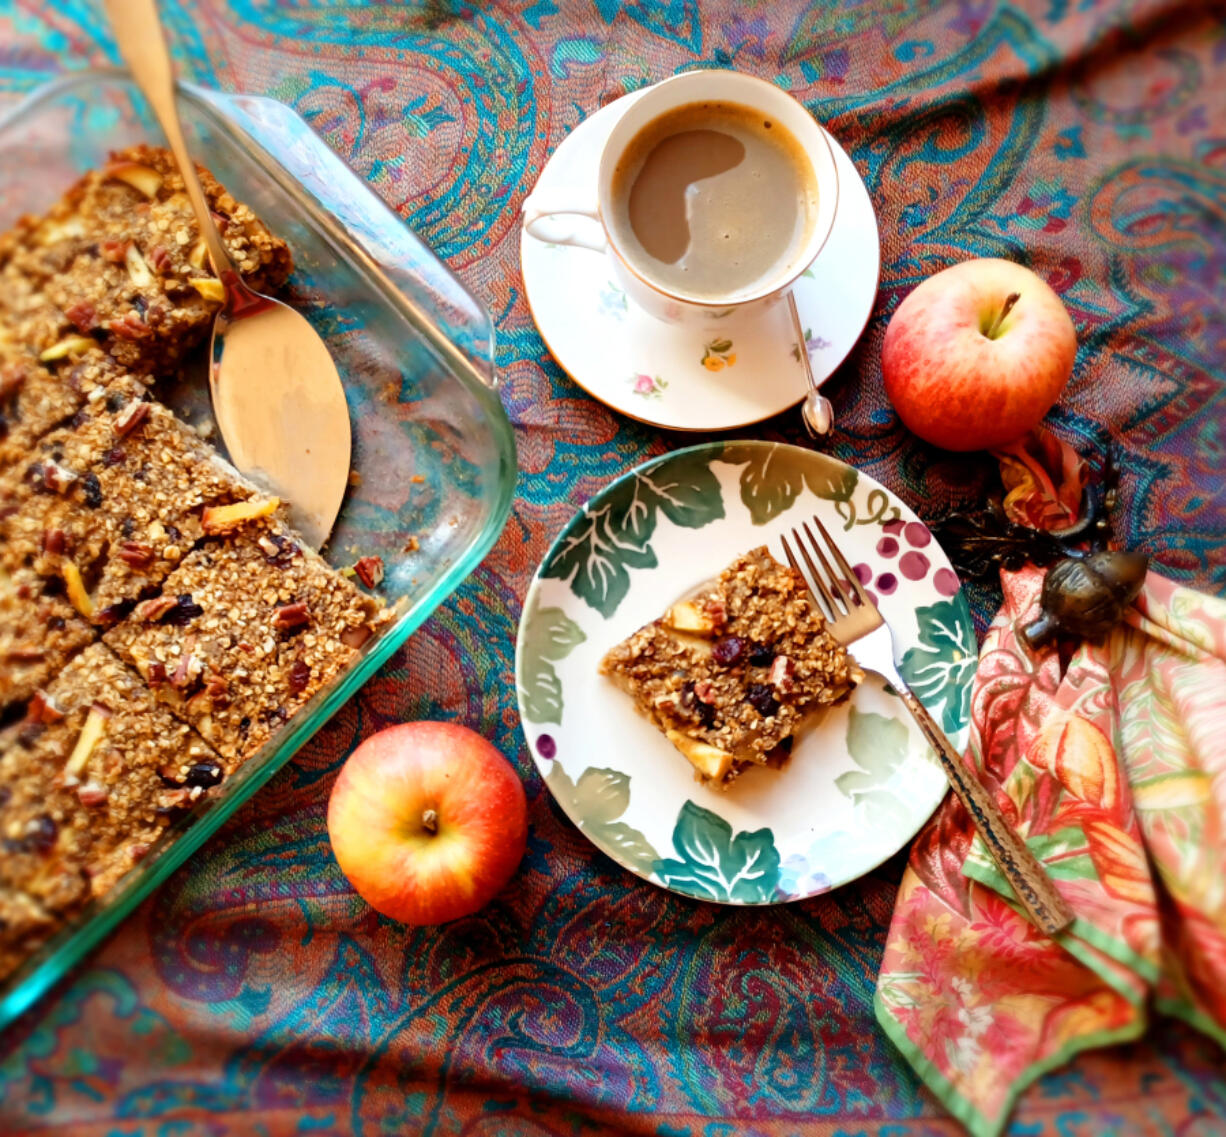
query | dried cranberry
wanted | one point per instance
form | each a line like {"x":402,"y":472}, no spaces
{"x":761,"y":656}
{"x":184,"y":611}
{"x":113,"y":457}
{"x":91,"y":490}
{"x":727,"y":650}
{"x":41,"y":834}
{"x":204,"y":775}
{"x":761,"y":696}
{"x":299,"y":676}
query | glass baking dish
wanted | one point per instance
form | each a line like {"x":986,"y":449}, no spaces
{"x":433,"y":450}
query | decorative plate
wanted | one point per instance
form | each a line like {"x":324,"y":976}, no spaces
{"x":859,"y":784}
{"x":685,"y":378}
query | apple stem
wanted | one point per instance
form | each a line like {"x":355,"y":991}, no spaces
{"x":429,"y":820}
{"x":1010,"y":300}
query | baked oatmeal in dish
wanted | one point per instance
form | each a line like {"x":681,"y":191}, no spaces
{"x":111,"y":503}
{"x":732,"y":675}
{"x":244,"y":632}
{"x":118,"y":520}
{"x":91,"y":777}
{"x":119,"y":260}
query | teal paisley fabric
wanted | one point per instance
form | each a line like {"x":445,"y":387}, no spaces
{"x":254,"y":994}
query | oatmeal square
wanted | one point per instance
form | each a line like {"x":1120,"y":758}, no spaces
{"x":90,"y":780}
{"x":244,"y":632}
{"x":732,"y":675}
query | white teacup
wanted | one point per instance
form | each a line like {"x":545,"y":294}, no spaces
{"x":595,"y":202}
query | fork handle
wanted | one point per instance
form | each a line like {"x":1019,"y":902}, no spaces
{"x":1031,"y":884}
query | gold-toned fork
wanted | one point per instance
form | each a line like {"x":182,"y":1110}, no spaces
{"x":853,"y":618}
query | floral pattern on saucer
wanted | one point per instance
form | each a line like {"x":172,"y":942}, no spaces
{"x":648,"y":386}
{"x":858,"y":786}
{"x":718,"y":354}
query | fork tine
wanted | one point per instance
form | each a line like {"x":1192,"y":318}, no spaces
{"x":846,"y":569}
{"x":827,"y":582}
{"x":825,"y":601}
{"x":831,"y":575}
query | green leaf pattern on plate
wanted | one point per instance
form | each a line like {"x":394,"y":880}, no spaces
{"x":601,"y":545}
{"x":550,"y":636}
{"x":772,"y":478}
{"x":879,"y":746}
{"x":594,"y":803}
{"x":939,"y":670}
{"x":712,"y":864}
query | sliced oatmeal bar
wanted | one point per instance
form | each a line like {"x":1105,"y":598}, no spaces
{"x":91,"y":779}
{"x":113,"y":502}
{"x":24,"y":926}
{"x":33,"y":400}
{"x":732,"y":675}
{"x":244,"y":632}
{"x":39,"y":633}
{"x":120,"y":258}
{"x":36,"y":397}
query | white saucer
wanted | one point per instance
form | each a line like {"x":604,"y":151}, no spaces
{"x":654,"y":371}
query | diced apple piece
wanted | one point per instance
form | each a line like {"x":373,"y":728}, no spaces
{"x":69,"y":345}
{"x":78,"y":595}
{"x":209,"y":287}
{"x":143,"y":179}
{"x":688,"y":617}
{"x":138,"y":269}
{"x":91,"y":732}
{"x":60,"y":229}
{"x":199,"y":256}
{"x":224,"y":518}
{"x":710,"y":761}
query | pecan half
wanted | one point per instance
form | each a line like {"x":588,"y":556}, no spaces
{"x":132,"y":416}
{"x":83,"y":314}
{"x":291,"y":616}
{"x":57,"y":478}
{"x":113,"y":251}
{"x":150,"y":611}
{"x":92,"y":794}
{"x":370,"y":571}
{"x":130,"y":326}
{"x":136,"y":555}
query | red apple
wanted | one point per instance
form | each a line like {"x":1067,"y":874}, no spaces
{"x":428,"y":821}
{"x":976,"y":355}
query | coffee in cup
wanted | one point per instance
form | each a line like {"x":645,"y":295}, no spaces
{"x":712,"y":198}
{"x":713,"y":192}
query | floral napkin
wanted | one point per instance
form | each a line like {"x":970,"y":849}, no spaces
{"x":1114,"y":768}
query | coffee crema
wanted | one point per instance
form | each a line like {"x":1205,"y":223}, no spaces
{"x":711,"y":200}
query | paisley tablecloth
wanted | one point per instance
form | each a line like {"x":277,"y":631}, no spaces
{"x":255,"y":993}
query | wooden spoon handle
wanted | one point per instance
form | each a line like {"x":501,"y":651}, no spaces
{"x":138,"y":31}
{"x":1031,"y":884}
